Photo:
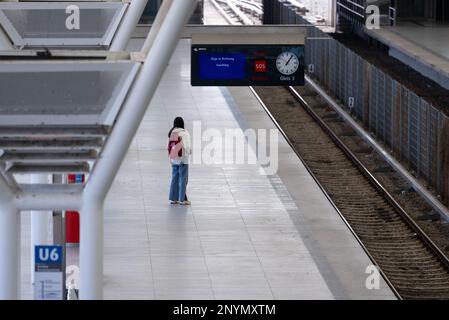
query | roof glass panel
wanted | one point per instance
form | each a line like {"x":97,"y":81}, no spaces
{"x":64,"y":93}
{"x":51,"y":25}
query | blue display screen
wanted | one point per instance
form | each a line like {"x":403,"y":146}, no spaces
{"x":245,"y":65}
{"x":222,"y":66}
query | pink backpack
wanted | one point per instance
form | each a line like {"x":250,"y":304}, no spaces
{"x":175,"y":148}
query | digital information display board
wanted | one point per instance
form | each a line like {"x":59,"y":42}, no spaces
{"x":247,"y":65}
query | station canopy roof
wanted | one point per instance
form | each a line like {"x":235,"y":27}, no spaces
{"x":56,"y":115}
{"x":61,"y":93}
{"x":35,"y":24}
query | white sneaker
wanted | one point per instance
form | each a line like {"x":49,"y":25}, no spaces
{"x":174,"y":202}
{"x":185,"y":203}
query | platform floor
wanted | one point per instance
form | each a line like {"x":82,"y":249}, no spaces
{"x":246,"y":235}
{"x":433,"y":37}
{"x":423,"y":47}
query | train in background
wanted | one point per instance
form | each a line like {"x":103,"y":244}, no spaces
{"x":154,"y":5}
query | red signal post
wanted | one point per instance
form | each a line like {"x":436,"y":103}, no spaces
{"x":72,"y":218}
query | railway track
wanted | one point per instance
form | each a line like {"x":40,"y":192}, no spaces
{"x":240,"y":12}
{"x":413,"y":265}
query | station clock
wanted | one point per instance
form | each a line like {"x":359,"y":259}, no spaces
{"x":287,"y":63}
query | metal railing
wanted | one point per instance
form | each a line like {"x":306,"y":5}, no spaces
{"x":392,"y":14}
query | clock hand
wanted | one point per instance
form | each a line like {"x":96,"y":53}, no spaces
{"x":289,"y":60}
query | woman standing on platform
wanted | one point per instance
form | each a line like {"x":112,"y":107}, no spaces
{"x":179,"y":152}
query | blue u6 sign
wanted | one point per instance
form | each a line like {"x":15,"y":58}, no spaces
{"x":48,"y":255}
{"x":48,"y":279}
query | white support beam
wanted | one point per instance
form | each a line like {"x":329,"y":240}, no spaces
{"x":9,"y":243}
{"x":128,"y":25}
{"x":39,"y":223}
{"x":9,"y":251}
{"x":6,"y":193}
{"x":5,"y":42}
{"x":43,"y":201}
{"x":156,"y":26}
{"x":116,"y":147}
{"x":139,"y":98}
{"x":91,"y":250}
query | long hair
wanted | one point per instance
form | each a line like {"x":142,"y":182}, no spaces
{"x":177,"y":123}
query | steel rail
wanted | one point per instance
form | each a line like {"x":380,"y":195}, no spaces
{"x":379,"y":187}
{"x":309,"y":170}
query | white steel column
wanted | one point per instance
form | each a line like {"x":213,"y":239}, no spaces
{"x":131,"y":115}
{"x":156,"y":26}
{"x":9,"y":244}
{"x":44,"y":201}
{"x":107,"y":166}
{"x":91,"y":250}
{"x":5,"y":43}
{"x":39,"y":223}
{"x":9,"y":252}
{"x":128,"y":25}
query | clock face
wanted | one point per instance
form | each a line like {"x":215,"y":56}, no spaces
{"x":287,"y":63}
